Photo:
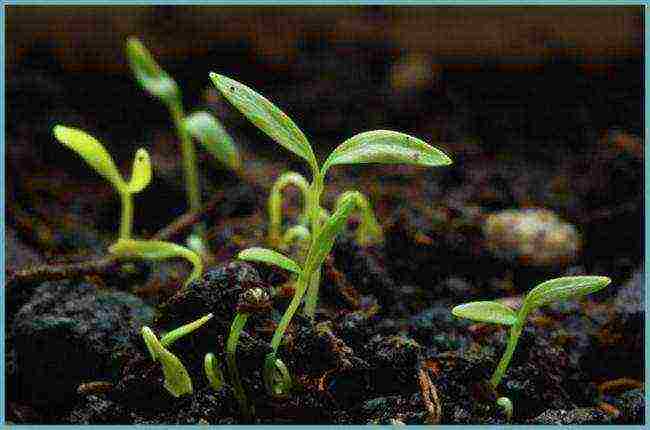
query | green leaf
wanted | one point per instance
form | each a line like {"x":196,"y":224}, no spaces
{"x":564,"y":288}
{"x":177,"y":380}
{"x":184,"y":330}
{"x":157,"y":250}
{"x":268,"y":256}
{"x":266,"y":116}
{"x":213,"y":372}
{"x":327,"y":235}
{"x":149,"y":74}
{"x":492,"y":312}
{"x":92,"y":152}
{"x":384,"y":146}
{"x":141,"y":172}
{"x":210,"y":133}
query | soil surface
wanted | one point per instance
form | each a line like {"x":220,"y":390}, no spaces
{"x":384,"y":347}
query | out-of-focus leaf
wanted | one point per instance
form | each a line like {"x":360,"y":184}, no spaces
{"x":210,"y":133}
{"x":141,"y":172}
{"x":149,"y":74}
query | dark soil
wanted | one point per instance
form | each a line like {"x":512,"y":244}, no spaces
{"x":383,"y":339}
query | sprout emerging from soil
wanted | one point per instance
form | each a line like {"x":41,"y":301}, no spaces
{"x":177,"y":380}
{"x":201,"y":126}
{"x":549,"y":291}
{"x":94,"y":153}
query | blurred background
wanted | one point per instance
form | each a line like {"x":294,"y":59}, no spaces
{"x":518,"y":89}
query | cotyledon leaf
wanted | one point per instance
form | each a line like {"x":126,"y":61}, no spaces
{"x":177,"y":380}
{"x":266,"y":116}
{"x":157,"y":250}
{"x":268,"y":256}
{"x":385,"y":146}
{"x":485,"y":311}
{"x":215,"y":139}
{"x":92,"y":151}
{"x":149,"y":74}
{"x":141,"y":172}
{"x":564,"y":288}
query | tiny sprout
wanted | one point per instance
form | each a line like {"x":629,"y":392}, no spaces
{"x":550,"y":291}
{"x":369,"y":230}
{"x":202,"y":126}
{"x":157,"y":250}
{"x":231,"y":349}
{"x":275,"y":202}
{"x":378,"y":146}
{"x":177,"y":380}
{"x":212,"y":371}
{"x":506,"y":404}
{"x":94,"y":153}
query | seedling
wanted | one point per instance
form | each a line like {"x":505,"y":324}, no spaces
{"x":379,"y":146}
{"x":177,"y":380}
{"x":94,"y":153}
{"x":157,"y":250}
{"x":553,"y":290}
{"x":202,"y":126}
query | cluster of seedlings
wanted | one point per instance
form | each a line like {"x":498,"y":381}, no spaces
{"x":315,"y":232}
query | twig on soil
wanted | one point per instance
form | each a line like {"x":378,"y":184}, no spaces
{"x":430,"y":398}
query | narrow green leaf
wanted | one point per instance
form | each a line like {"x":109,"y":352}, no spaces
{"x":210,"y":133}
{"x":492,"y":312}
{"x":149,"y":74}
{"x":141,"y":172}
{"x":327,"y":235}
{"x":157,"y":250}
{"x":266,"y":116}
{"x":564,"y":288}
{"x":92,"y":152}
{"x":184,"y":330}
{"x":213,"y":372}
{"x":268,"y":256}
{"x":177,"y":380}
{"x":384,"y":146}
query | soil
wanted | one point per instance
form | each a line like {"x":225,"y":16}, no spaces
{"x":383,"y":347}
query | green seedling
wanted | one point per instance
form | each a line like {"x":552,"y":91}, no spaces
{"x":201,"y":126}
{"x":275,"y":204}
{"x":94,"y":153}
{"x":157,"y":250}
{"x":213,"y":371}
{"x":177,"y":380}
{"x":547,"y":292}
{"x":379,"y":146}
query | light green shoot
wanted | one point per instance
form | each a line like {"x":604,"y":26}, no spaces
{"x":553,"y":290}
{"x":94,"y":153}
{"x":369,"y":229}
{"x":177,"y":380}
{"x":231,"y":350}
{"x":275,"y":203}
{"x":213,"y":371}
{"x":201,"y":126}
{"x":379,"y":146}
{"x":158,"y":250}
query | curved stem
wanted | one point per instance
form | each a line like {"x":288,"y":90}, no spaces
{"x":313,"y":279}
{"x":126,"y":222}
{"x":275,"y":202}
{"x":231,"y":349}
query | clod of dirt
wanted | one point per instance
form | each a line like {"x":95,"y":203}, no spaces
{"x":407,"y":409}
{"x":393,"y":363}
{"x":97,"y":409}
{"x":70,"y":333}
{"x":579,"y":416}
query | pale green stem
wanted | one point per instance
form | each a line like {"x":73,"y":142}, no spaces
{"x":231,"y":349}
{"x":275,"y":202}
{"x":313,"y":279}
{"x":301,"y":285}
{"x":515,"y":332}
{"x":190,"y":166}
{"x":126,"y":222}
{"x":176,"y":334}
{"x":297,"y":233}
